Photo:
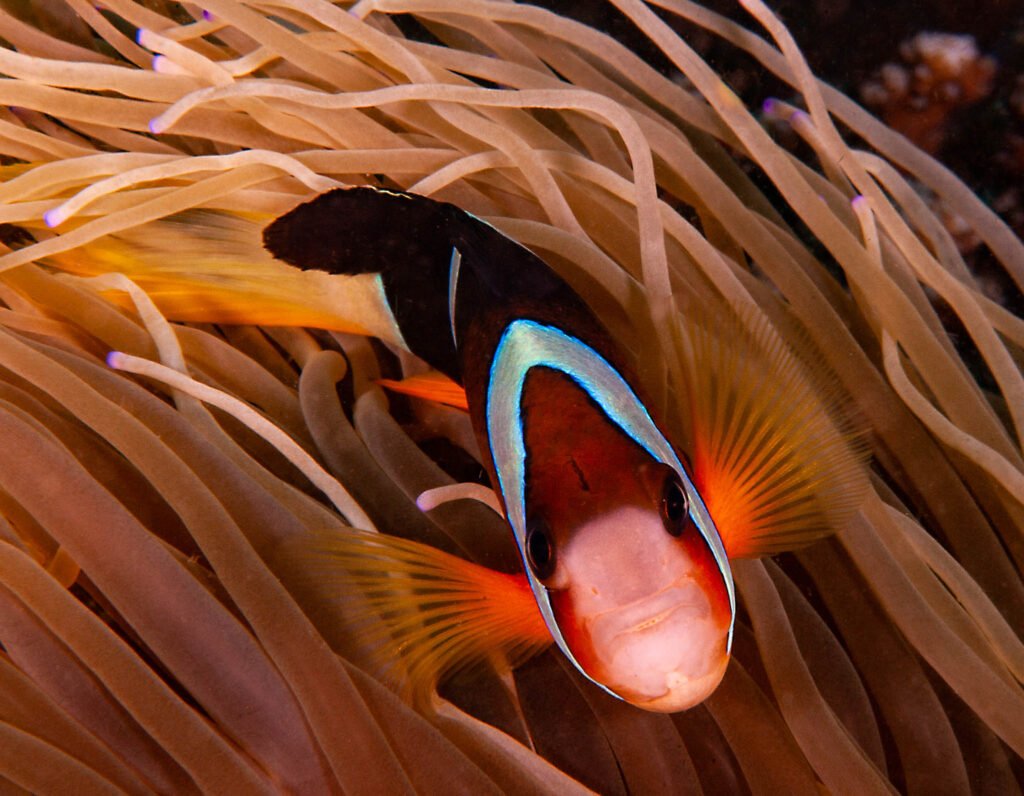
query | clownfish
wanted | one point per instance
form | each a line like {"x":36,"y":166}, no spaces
{"x":625,"y":546}
{"x":625,"y":564}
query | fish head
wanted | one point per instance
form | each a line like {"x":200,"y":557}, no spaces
{"x":638,"y":599}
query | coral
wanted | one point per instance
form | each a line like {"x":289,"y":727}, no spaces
{"x":939,"y":74}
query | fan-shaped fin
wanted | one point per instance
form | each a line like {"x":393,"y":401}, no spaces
{"x":210,"y":266}
{"x":425,"y":613}
{"x":777,"y":462}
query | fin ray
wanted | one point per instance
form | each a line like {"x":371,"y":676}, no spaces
{"x":778,"y":468}
{"x":210,"y":266}
{"x":425,"y":613}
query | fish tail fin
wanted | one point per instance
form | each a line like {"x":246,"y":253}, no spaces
{"x":777,"y":456}
{"x":423,"y":614}
{"x":210,"y":266}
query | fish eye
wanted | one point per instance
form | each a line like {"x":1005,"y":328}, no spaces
{"x":675,"y":507}
{"x":540,"y":549}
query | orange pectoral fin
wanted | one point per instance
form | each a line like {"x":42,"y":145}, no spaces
{"x":422,"y":613}
{"x":775,"y":459}
{"x":432,"y":386}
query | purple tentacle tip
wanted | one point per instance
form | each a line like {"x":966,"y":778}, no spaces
{"x":113,"y":359}
{"x":207,"y":16}
{"x":50,"y":218}
{"x":154,"y":126}
{"x":139,"y":35}
{"x":858,"y":200}
{"x":768,"y":106}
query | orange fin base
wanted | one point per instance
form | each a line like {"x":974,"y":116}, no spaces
{"x":424,"y":613}
{"x":433,"y":386}
{"x":778,"y":463}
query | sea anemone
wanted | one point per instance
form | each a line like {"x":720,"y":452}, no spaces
{"x":151,"y":637}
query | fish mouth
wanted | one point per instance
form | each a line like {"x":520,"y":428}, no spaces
{"x":652,"y":610}
{"x":653,"y":621}
{"x":665,"y":651}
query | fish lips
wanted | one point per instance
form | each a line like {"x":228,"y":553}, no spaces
{"x":664,"y":652}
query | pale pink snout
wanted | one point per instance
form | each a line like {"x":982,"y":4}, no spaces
{"x":641,"y":612}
